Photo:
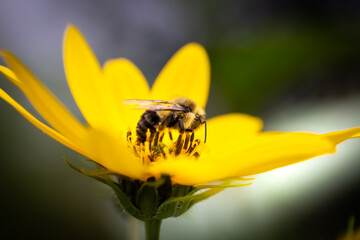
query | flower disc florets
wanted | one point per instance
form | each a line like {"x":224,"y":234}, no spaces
{"x":165,"y":144}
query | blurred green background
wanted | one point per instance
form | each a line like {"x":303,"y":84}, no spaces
{"x":296,"y":64}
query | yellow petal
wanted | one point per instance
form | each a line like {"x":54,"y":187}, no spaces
{"x":270,"y":151}
{"x":339,"y":136}
{"x":84,"y":77}
{"x":112,"y":152}
{"x":125,"y":81}
{"x":49,"y":131}
{"x":356,"y":136}
{"x":231,"y":127}
{"x":10,"y":75}
{"x":43,"y":100}
{"x":259,"y":154}
{"x":187,"y":74}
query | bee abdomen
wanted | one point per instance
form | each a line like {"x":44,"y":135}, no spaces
{"x":149,"y":120}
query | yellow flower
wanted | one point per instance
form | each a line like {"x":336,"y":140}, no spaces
{"x":235,"y":147}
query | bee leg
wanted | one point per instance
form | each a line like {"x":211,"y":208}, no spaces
{"x":165,"y":122}
{"x":187,"y":140}
{"x":192,"y":138}
{"x":188,"y":137}
{"x":179,"y":144}
{"x":205,"y":131}
{"x":151,"y":137}
{"x":161,"y":137}
{"x":181,"y":125}
{"x":191,"y":147}
{"x":156,"y":139}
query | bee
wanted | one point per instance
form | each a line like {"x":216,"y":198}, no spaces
{"x":180,"y":113}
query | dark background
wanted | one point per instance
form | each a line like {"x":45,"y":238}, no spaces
{"x":293,"y":63}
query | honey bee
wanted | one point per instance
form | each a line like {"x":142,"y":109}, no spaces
{"x":180,"y":113}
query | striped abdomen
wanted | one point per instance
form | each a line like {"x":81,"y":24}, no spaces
{"x":149,"y":120}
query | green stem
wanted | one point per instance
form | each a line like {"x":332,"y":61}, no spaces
{"x":152,"y":229}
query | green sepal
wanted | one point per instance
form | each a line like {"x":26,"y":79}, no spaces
{"x":147,"y":200}
{"x":177,"y":204}
{"x":183,"y":203}
{"x":153,"y":199}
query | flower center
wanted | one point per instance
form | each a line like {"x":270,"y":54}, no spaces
{"x":165,"y":144}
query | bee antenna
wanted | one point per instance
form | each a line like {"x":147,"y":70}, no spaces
{"x":205,"y":131}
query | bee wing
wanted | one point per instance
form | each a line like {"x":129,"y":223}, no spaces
{"x":160,"y":107}
{"x":144,"y":102}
